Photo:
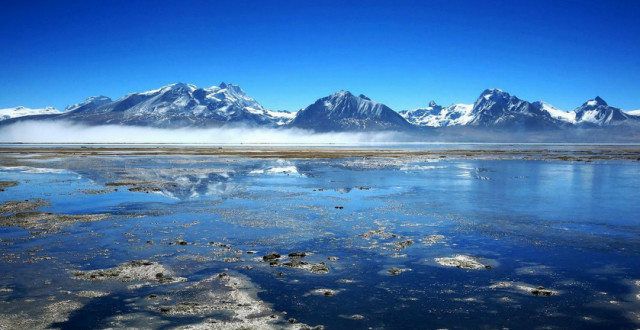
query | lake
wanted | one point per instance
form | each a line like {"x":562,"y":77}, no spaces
{"x":221,"y":241}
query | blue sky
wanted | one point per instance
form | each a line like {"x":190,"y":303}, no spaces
{"x":286,"y":54}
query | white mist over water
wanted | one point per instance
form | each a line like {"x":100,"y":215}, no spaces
{"x":67,"y":132}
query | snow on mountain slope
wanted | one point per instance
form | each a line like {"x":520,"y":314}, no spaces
{"x":343,"y":111}
{"x":567,"y":116}
{"x":497,"y":108}
{"x":633,"y":112}
{"x":10,"y":113}
{"x":177,"y":105}
{"x":597,"y":112}
{"x":281,"y":117}
{"x":435,"y":115}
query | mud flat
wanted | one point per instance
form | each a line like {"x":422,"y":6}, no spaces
{"x":137,"y":270}
{"x":7,"y":184}
{"x":222,"y":301}
{"x":24,"y":214}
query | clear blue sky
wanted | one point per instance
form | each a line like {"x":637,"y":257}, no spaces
{"x":286,"y":54}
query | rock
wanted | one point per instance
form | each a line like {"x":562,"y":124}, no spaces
{"x":297,"y":254}
{"x":7,"y":184}
{"x":137,"y":270}
{"x":403,"y":244}
{"x":541,"y":291}
{"x":271,"y":257}
{"x":319,"y":268}
{"x":323,"y":292}
{"x":339,"y":207}
{"x":462,"y":261}
{"x":220,"y":244}
{"x":524,"y":288}
{"x":395,"y":271}
{"x":380,"y":233}
{"x":432,"y":239}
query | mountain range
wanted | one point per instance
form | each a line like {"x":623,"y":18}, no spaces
{"x":185,"y":105}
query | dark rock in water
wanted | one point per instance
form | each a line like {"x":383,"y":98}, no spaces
{"x":541,"y":291}
{"x":339,"y":207}
{"x":394,"y":271}
{"x":297,"y":254}
{"x":7,"y":184}
{"x":319,"y":268}
{"x":271,"y":256}
{"x":403,"y":244}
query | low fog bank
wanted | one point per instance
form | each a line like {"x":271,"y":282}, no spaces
{"x":68,"y":132}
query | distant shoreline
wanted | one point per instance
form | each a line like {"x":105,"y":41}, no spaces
{"x":515,"y":151}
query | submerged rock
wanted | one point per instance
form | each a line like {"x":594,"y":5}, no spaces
{"x":462,"y":261}
{"x":379,"y":233}
{"x":356,"y":317}
{"x":432,"y":239}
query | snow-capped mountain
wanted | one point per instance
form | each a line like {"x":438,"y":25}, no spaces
{"x":184,"y":105}
{"x":17,"y":112}
{"x":177,"y":105}
{"x":597,"y":112}
{"x":435,"y":115}
{"x":496,"y":108}
{"x":343,"y":111}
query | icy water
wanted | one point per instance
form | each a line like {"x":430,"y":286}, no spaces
{"x":388,"y":243}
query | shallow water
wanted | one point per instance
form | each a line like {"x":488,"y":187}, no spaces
{"x":570,"y":227}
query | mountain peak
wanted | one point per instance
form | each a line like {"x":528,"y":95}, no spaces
{"x":92,"y":101}
{"x":342,"y":92}
{"x":433,"y":104}
{"x":598,"y":101}
{"x":232,"y":88}
{"x":362,"y":96}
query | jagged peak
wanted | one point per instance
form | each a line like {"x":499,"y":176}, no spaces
{"x":342,"y":93}
{"x":597,"y":101}
{"x":234,"y":89}
{"x":432,"y":104}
